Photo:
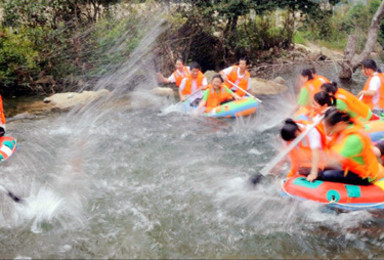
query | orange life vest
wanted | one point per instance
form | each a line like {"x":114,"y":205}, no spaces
{"x":301,"y":155}
{"x":371,"y":168}
{"x":179,"y":77}
{"x":2,"y":115}
{"x":242,"y":83}
{"x":354,"y":104}
{"x":188,"y":83}
{"x":368,"y":99}
{"x":216,"y":97}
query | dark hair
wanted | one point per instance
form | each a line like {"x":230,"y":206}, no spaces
{"x":313,"y":70}
{"x":370,"y":64}
{"x":194,"y":65}
{"x":330,"y":87}
{"x":244,"y":58}
{"x":333,"y":116}
{"x":288,"y":132}
{"x":180,"y":59}
{"x":307,"y":73}
{"x":323,"y":98}
{"x":218,"y":76}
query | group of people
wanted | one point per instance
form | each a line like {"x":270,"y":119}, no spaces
{"x":229,"y":84}
{"x":337,"y":147}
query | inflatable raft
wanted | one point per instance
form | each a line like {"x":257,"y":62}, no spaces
{"x":335,"y":194}
{"x":8,"y":147}
{"x":341,"y":195}
{"x":375,"y":130}
{"x":242,"y":107}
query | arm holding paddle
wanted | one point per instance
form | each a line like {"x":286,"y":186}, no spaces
{"x":223,"y":75}
{"x":363,"y":93}
{"x":269,"y":166}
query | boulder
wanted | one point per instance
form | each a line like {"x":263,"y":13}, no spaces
{"x":209,"y":74}
{"x":280,"y":80}
{"x":261,"y":86}
{"x":68,"y":100}
{"x":162,"y":91}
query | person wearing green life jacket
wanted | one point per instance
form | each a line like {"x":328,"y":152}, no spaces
{"x":310,"y":85}
{"x":346,"y":101}
{"x":322,"y":100}
{"x":215,"y":94}
{"x":350,"y":155}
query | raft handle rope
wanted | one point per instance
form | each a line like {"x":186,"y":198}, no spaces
{"x":333,"y":202}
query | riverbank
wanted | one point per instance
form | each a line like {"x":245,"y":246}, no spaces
{"x":264,"y":82}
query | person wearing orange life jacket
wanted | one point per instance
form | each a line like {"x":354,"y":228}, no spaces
{"x":346,"y":101}
{"x":318,"y":79}
{"x":177,"y":76}
{"x":351,"y":157}
{"x":307,"y":158}
{"x":215,"y":94}
{"x":191,"y":86}
{"x":310,"y":85}
{"x":373,"y":90}
{"x":239,"y":75}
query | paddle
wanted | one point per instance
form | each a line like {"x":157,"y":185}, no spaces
{"x":269,"y":166}
{"x":10,"y":194}
{"x":246,"y":92}
{"x":193,"y":93}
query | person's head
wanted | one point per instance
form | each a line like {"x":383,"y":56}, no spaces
{"x":322,"y":100}
{"x":243,"y":63}
{"x":217,"y":80}
{"x":195,"y":68}
{"x":179,"y":64}
{"x":313,"y":70}
{"x":336,"y":121}
{"x":330,"y":88}
{"x":369,"y":67}
{"x":290,"y":130}
{"x":306,"y":75}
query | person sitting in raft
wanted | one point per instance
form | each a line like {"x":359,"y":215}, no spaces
{"x":306,"y":158}
{"x":177,"y":76}
{"x":216,"y":94}
{"x":373,"y":91}
{"x":191,"y":86}
{"x":318,"y":79}
{"x":238,"y":75}
{"x":343,"y":100}
{"x":310,"y":83}
{"x":309,"y":86}
{"x":351,"y":156}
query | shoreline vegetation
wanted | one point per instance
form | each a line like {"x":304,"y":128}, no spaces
{"x":64,"y":46}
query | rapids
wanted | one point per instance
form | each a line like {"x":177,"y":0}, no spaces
{"x":112,"y":181}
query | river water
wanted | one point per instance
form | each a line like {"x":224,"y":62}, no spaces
{"x":116,"y":181}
